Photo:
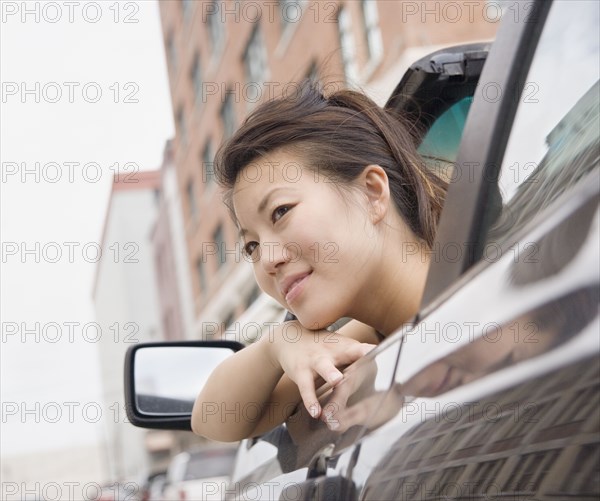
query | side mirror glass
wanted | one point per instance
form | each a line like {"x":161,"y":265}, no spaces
{"x":162,"y":380}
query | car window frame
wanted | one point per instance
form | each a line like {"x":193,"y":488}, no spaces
{"x":472,"y":198}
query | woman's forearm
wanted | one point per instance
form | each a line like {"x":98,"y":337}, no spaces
{"x":237,"y":395}
{"x":248,"y":394}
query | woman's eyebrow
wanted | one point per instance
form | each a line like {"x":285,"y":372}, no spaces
{"x":261,"y":206}
{"x":265,"y":200}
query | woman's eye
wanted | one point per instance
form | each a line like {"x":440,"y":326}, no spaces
{"x":279,"y":212}
{"x":249,"y":248}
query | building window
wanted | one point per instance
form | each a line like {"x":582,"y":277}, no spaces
{"x":216,"y":28}
{"x":255,"y":64}
{"x":220,"y":242}
{"x":187,"y":7}
{"x":196,"y":76}
{"x":347,"y":46}
{"x":200,"y":274}
{"x":372,"y":31}
{"x":208,"y":174}
{"x":193,"y":205}
{"x":228,"y":116}
{"x":181,"y":126}
{"x":171,"y":53}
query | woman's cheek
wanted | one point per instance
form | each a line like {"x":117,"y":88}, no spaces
{"x":261,"y":280}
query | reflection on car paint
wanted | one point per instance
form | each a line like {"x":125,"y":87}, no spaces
{"x":572,"y":153}
{"x":518,"y":453}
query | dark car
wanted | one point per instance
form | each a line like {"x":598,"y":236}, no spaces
{"x":491,"y":392}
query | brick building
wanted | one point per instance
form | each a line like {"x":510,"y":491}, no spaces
{"x":225,"y":56}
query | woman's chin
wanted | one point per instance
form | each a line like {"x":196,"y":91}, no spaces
{"x":316,"y":322}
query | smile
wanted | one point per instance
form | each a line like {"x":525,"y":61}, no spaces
{"x":295,"y":287}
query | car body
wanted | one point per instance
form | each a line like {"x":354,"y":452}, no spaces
{"x":491,"y":392}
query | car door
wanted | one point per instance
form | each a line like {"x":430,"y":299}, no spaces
{"x":493,"y":391}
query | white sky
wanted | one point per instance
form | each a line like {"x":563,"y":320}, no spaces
{"x":38,"y":210}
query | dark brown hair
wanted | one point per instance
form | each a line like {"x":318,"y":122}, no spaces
{"x":338,"y":136}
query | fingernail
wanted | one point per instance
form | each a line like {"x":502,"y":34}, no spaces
{"x":314,"y":411}
{"x":334,"y":377}
{"x":333,"y":424}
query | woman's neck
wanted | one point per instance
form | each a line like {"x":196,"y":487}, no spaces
{"x":398,"y":284}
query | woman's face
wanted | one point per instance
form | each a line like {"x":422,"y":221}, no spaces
{"x":309,"y":245}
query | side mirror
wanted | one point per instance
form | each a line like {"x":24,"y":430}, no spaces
{"x":162,"y":380}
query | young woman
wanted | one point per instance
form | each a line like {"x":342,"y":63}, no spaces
{"x":338,"y":214}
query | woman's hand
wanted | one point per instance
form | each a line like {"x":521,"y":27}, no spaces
{"x":374,"y":410}
{"x":271,"y":376}
{"x":358,"y":385}
{"x":304,"y":355}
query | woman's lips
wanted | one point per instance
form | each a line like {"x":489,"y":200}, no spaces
{"x":296,"y":289}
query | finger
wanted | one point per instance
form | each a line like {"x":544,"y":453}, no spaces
{"x":306,"y":386}
{"x":339,"y":397}
{"x":327,"y":370}
{"x":330,"y":416}
{"x":353,"y":352}
{"x":365,"y":348}
{"x":355,"y":415}
{"x":337,"y":405}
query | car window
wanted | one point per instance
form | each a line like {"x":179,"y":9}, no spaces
{"x":440,"y":144}
{"x":554,"y":140}
{"x":435,"y":96}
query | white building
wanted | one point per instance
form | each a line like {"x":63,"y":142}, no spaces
{"x":171,"y":258}
{"x":127,"y":309}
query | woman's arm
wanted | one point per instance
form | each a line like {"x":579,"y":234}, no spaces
{"x":260,"y":386}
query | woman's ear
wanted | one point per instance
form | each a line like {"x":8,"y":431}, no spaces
{"x":375,"y":183}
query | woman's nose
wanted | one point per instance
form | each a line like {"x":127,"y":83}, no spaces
{"x":273,"y":254}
